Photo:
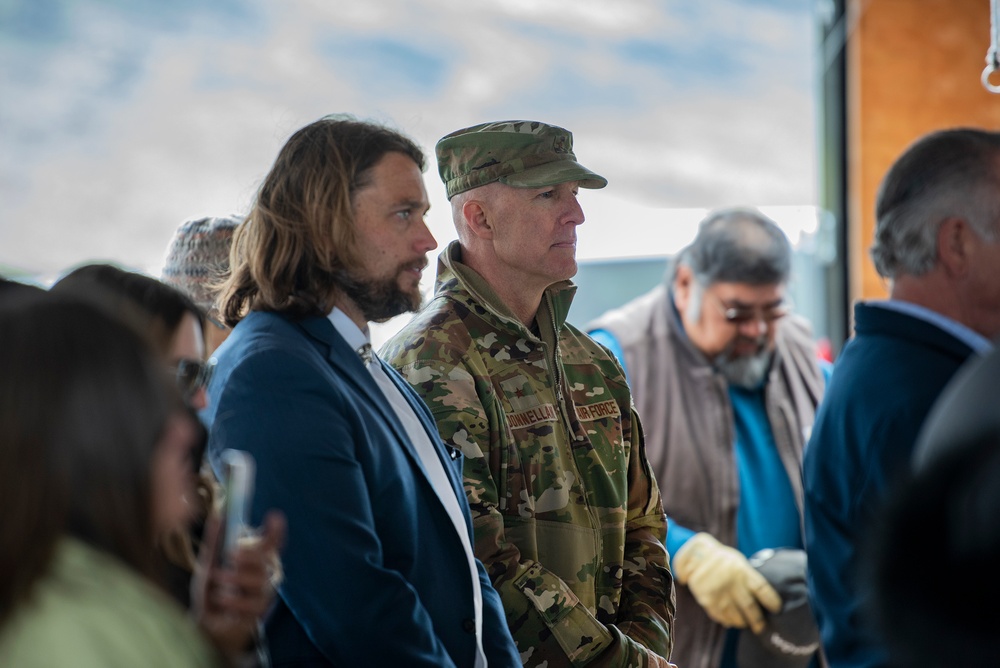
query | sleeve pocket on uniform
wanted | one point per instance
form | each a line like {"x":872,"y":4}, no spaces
{"x":576,"y":630}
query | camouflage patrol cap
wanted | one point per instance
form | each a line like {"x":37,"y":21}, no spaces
{"x":522,"y":154}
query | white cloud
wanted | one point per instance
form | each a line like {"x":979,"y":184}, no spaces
{"x":593,"y":15}
{"x":117,"y":132}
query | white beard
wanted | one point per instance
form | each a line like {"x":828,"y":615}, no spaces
{"x":746,"y":371}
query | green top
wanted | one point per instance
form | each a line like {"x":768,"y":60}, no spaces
{"x":92,"y":611}
{"x":567,"y":519}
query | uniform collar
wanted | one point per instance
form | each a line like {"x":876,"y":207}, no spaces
{"x":457,"y":281}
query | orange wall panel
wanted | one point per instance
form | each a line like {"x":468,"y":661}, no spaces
{"x":913,"y":67}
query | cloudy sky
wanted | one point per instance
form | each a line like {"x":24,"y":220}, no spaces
{"x":120,"y":119}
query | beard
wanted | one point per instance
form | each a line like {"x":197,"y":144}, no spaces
{"x":379,"y":299}
{"x":746,"y":371}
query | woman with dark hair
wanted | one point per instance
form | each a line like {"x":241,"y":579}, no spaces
{"x":173,"y":323}
{"x":175,"y":326}
{"x":92,"y":469}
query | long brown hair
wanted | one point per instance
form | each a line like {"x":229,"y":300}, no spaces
{"x":300,"y":231}
{"x":83,"y":403}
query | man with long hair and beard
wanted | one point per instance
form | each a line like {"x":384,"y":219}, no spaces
{"x":379,"y":569}
{"x":727,"y":385}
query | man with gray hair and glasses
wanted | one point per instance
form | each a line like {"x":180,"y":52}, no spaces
{"x":937,"y":242}
{"x":726,"y":383}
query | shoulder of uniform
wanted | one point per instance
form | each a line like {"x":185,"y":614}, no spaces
{"x":437,"y":332}
{"x":594,"y":351}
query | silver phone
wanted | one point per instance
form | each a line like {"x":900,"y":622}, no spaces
{"x":237,"y":479}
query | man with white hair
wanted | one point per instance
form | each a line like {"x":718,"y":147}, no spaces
{"x":937,"y":240}
{"x":726,"y":383}
{"x":567,"y":519}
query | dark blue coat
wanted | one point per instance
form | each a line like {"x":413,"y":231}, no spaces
{"x":375,"y":574}
{"x":883,"y":385}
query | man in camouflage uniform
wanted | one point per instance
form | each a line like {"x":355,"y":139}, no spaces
{"x":566,"y":514}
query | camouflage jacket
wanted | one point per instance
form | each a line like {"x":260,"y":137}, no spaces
{"x":567,"y":517}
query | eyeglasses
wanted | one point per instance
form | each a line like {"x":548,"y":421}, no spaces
{"x":741,"y":314}
{"x":193,"y":375}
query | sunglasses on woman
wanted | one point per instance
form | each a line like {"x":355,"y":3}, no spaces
{"x":193,"y":375}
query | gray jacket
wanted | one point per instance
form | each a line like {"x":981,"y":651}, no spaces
{"x":688,"y":422}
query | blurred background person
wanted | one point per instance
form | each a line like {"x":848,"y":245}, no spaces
{"x":954,"y":496}
{"x":968,"y":407}
{"x":196,"y":264}
{"x":93,"y":468}
{"x":14,"y":290}
{"x":937,"y":242}
{"x":932,"y":563}
{"x":172,"y":321}
{"x":175,"y":327}
{"x":727,"y":384}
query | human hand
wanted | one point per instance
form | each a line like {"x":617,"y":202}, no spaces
{"x":726,"y":586}
{"x":228,"y":601}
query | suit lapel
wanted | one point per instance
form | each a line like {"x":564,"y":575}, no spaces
{"x":420,"y":409}
{"x":348,"y":365}
{"x":451,"y":469}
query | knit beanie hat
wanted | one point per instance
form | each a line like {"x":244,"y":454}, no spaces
{"x":198,"y":258}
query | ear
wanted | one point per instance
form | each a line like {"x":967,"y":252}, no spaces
{"x":477,"y":218}
{"x":954,"y":246}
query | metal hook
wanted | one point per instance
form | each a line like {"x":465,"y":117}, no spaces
{"x":992,"y":61}
{"x":987,"y":72}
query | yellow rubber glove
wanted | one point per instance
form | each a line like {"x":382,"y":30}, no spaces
{"x":726,"y":586}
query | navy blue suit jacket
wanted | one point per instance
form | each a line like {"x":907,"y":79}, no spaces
{"x":375,"y":573}
{"x":883,"y":385}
